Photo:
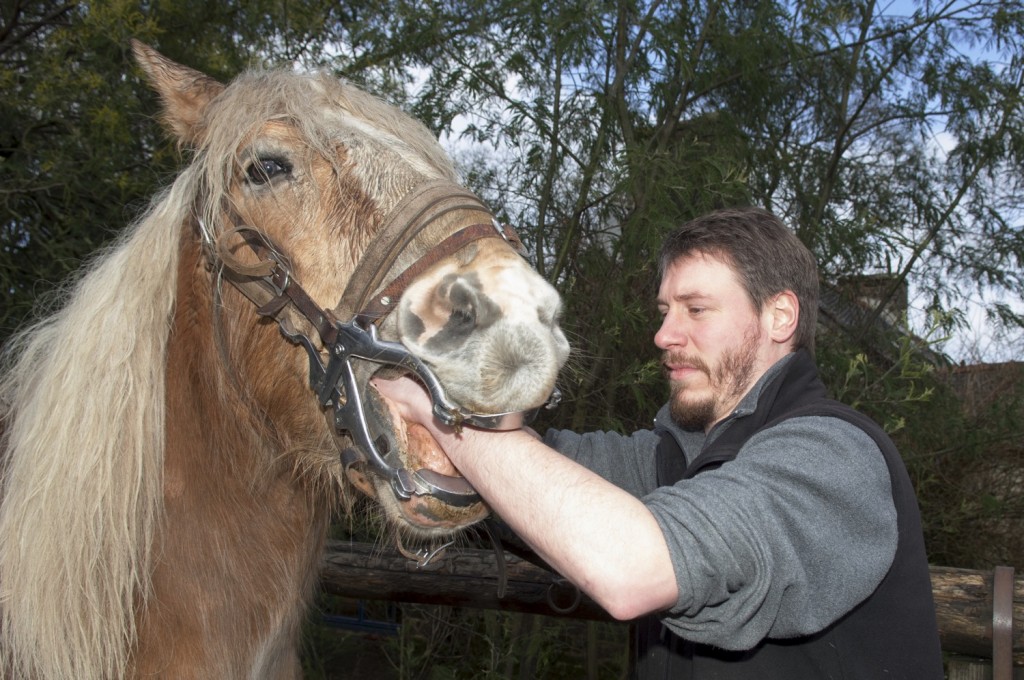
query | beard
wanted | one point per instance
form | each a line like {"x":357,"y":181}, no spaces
{"x":728,"y":381}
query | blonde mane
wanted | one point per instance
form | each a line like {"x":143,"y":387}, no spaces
{"x":82,"y":404}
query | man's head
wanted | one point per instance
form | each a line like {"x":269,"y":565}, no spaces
{"x":738,"y":291}
{"x":768,"y":258}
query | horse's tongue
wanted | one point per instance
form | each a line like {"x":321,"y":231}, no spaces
{"x":421,"y":449}
{"x":424,"y":451}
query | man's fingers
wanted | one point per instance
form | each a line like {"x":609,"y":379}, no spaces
{"x":410,"y":397}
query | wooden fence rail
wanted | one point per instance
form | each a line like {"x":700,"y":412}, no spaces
{"x":963,"y":597}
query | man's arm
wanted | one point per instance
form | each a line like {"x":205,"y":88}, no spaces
{"x":595,"y":534}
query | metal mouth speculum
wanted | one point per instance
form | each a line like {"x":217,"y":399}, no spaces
{"x":336,"y":385}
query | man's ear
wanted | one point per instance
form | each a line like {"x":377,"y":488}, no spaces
{"x":783,"y":313}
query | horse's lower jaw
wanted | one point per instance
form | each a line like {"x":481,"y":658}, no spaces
{"x":423,"y":516}
{"x":429,"y":516}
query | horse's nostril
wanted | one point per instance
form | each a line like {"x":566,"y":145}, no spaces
{"x":463,"y":318}
{"x":470,"y":307}
{"x":546,"y":318}
{"x":549,"y":312}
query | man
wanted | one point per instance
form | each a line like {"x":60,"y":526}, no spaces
{"x":771,"y":532}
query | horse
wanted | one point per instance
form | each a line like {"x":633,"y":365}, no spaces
{"x":179,"y":429}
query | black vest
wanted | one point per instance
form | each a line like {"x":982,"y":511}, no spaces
{"x":892,"y":635}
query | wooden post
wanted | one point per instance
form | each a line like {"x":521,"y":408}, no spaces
{"x":1002,"y":623}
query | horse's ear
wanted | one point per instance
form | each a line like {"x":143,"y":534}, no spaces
{"x":185,"y":92}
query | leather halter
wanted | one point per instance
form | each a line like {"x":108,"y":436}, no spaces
{"x":350,"y":331}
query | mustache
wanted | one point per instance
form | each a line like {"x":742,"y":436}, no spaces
{"x":681,"y":359}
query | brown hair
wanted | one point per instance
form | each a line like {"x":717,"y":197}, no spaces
{"x":767,"y":257}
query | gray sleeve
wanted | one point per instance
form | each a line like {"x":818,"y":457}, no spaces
{"x":626,"y":461}
{"x":781,"y":541}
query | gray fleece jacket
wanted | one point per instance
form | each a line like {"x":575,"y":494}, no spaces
{"x":778,"y":545}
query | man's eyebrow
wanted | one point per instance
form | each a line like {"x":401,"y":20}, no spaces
{"x":685,"y":298}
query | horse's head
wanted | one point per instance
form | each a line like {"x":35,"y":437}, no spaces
{"x":341,"y":219}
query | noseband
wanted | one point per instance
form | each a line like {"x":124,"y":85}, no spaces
{"x":368,"y":299}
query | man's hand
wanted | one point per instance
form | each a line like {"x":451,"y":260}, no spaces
{"x":409,"y":397}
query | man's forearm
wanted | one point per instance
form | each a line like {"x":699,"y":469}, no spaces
{"x":598,"y":536}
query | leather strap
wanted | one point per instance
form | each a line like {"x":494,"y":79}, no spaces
{"x":269,"y":285}
{"x":419,"y":208}
{"x":381,"y":304}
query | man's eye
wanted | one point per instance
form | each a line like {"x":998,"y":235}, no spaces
{"x":262,"y":170}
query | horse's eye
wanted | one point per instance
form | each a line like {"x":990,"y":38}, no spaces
{"x":262,"y":170}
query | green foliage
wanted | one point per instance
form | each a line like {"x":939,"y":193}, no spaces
{"x":71,"y":160}
{"x":610,"y":122}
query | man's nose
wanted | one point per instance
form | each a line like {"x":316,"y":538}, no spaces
{"x":670,"y":334}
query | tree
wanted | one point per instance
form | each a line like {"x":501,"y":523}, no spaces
{"x":611,"y":122}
